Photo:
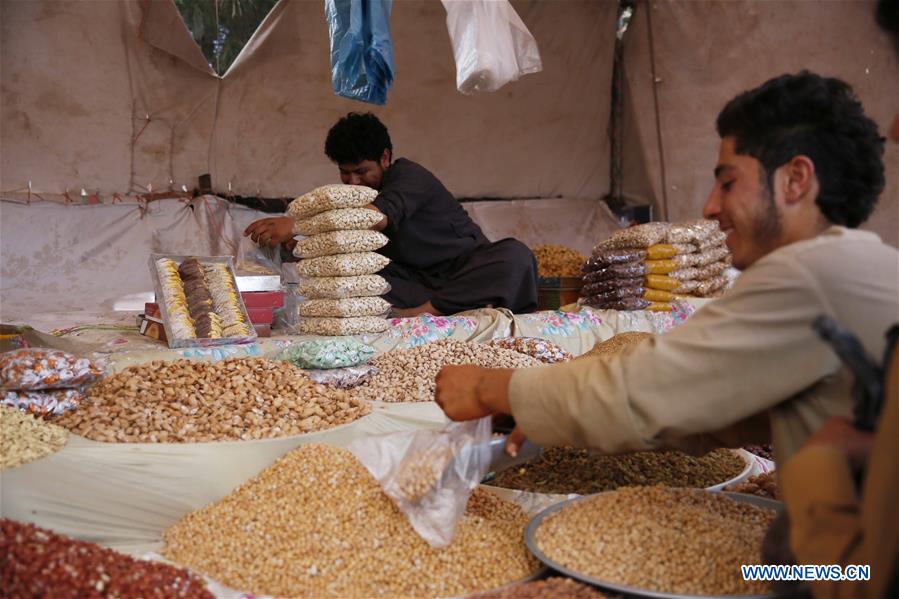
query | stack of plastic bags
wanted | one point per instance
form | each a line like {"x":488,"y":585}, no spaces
{"x":648,"y":266}
{"x":45,"y":382}
{"x":338,"y":262}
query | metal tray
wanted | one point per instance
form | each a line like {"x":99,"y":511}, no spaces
{"x":531,"y":541}
{"x":503,"y":461}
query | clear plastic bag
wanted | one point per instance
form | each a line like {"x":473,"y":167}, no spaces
{"x":616,"y":271}
{"x":331,"y":197}
{"x":256,"y":260}
{"x":541,"y":349}
{"x":603,"y":286}
{"x":342,"y":287}
{"x":343,"y":378}
{"x":343,"y":265}
{"x":39,"y":368}
{"x":639,"y":236}
{"x":327,"y":353}
{"x":430,"y":474}
{"x":491,"y":44}
{"x":603,"y":258}
{"x":46,"y":403}
{"x":344,"y":308}
{"x":628,"y":303}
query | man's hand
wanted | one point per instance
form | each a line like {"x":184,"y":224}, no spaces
{"x":470,"y":392}
{"x":839,"y":433}
{"x":381,"y":224}
{"x":271,"y":231}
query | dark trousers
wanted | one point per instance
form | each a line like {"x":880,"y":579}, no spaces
{"x":501,"y":274}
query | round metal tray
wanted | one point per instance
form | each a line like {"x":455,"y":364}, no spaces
{"x":530,"y":452}
{"x":531,"y":541}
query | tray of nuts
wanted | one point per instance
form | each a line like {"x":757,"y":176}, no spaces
{"x":657,"y":542}
{"x":568,"y":470}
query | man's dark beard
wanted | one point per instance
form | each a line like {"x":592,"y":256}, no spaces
{"x":767,"y":228}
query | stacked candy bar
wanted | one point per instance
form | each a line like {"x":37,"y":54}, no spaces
{"x":648,"y":266}
{"x":199,"y":301}
{"x":226,"y":300}
{"x":175,"y":301}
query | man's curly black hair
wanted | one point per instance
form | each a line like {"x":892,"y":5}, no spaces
{"x":357,"y":137}
{"x":819,"y":117}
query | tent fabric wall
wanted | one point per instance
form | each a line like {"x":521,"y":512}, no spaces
{"x":67,"y":266}
{"x":83,"y":82}
{"x":707,"y":52}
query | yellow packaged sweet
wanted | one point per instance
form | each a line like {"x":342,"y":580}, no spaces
{"x":660,"y":267}
{"x":658,"y":295}
{"x":661,"y":251}
{"x":659,"y":307}
{"x":662,"y":282}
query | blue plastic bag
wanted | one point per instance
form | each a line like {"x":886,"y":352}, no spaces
{"x":361,"y":53}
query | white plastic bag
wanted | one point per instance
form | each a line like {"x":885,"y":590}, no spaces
{"x":430,"y":474}
{"x":491,"y":44}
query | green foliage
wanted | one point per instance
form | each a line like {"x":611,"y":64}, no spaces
{"x":223,"y":27}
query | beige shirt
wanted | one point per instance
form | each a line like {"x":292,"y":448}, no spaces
{"x":749,"y":354}
{"x":830,"y":524}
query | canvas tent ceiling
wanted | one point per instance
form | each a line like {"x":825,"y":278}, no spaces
{"x":80,"y":78}
{"x":115,"y":96}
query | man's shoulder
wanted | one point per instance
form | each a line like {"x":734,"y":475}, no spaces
{"x":836,"y":244}
{"x":404,"y":167}
{"x":837,"y":254}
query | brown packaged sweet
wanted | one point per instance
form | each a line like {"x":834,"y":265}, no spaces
{"x":604,"y":258}
{"x":616,"y":271}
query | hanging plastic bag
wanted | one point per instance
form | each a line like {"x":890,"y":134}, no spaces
{"x":491,"y":44}
{"x":361,"y":53}
{"x":430,"y":474}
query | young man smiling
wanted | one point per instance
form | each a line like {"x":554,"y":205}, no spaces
{"x":799,"y":167}
{"x":441,"y":262}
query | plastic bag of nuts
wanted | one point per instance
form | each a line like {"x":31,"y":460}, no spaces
{"x":342,"y":308}
{"x":638,"y":236}
{"x":327,"y":353}
{"x":343,"y":265}
{"x":331,"y":197}
{"x":336,"y":327}
{"x":40,"y":368}
{"x":48,"y":402}
{"x":339,"y":242}
{"x":429,"y":474}
{"x":342,"y":219}
{"x":343,"y":378}
{"x":692,"y":231}
{"x":341,"y":287}
{"x":541,"y":349}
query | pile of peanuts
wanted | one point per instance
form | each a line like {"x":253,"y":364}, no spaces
{"x":554,"y":587}
{"x":409,"y":374}
{"x":39,"y":563}
{"x":669,"y":540}
{"x":24,"y":438}
{"x":558,"y":261}
{"x":316,"y":523}
{"x":188,"y":401}
{"x":572,"y":470}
